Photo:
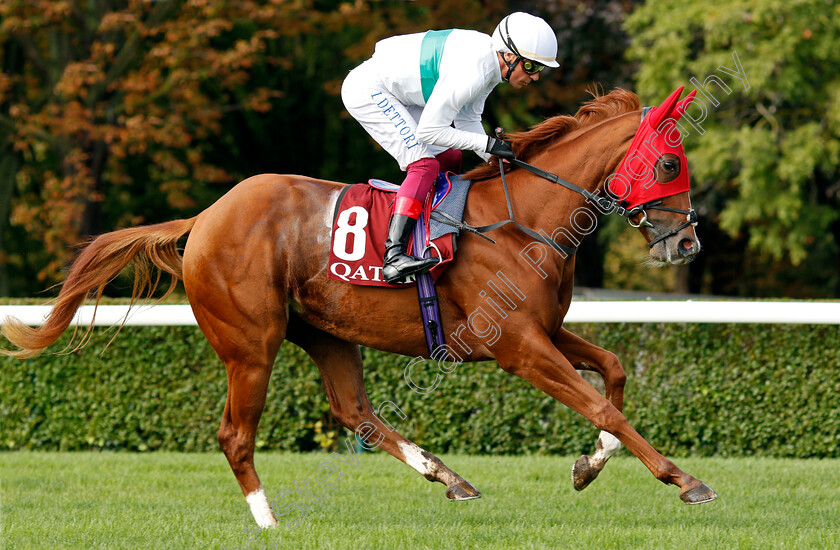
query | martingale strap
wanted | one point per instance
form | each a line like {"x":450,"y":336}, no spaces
{"x":559,"y":247}
{"x":563,"y":249}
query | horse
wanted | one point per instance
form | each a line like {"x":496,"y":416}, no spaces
{"x":254,"y":268}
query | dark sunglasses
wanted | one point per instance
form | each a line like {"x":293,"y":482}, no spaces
{"x":531,"y":67}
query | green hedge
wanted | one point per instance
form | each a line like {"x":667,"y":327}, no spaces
{"x":726,"y":390}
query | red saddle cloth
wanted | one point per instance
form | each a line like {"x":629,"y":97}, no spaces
{"x":359,"y":231}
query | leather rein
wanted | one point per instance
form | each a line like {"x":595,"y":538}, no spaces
{"x":606,"y":204}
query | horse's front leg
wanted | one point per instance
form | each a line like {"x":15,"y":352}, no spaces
{"x":587,"y":356}
{"x":546,"y":368}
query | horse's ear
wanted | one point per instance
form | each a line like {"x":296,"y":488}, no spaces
{"x":664,"y":111}
{"x":683,"y":105}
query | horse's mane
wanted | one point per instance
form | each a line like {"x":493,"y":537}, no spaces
{"x":599,"y":108}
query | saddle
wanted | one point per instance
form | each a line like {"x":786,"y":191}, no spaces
{"x":360,"y":227}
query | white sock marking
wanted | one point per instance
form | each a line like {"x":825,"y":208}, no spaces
{"x":607,"y":446}
{"x":261,"y":509}
{"x":414,"y":457}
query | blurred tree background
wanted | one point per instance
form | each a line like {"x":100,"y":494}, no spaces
{"x":765,"y":177}
{"x":122,"y":112}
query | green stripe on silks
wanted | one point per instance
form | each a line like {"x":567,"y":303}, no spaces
{"x":431,"y":50}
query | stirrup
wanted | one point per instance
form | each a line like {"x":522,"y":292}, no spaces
{"x":423,"y":266}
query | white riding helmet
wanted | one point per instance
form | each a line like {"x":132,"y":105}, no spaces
{"x":527,"y":36}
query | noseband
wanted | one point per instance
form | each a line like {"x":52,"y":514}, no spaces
{"x":690,"y":216}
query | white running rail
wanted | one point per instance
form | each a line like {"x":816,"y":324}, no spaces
{"x":624,"y":311}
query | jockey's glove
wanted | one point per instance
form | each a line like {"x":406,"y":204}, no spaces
{"x":500,"y":148}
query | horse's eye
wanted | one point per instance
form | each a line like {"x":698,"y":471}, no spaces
{"x":668,"y":168}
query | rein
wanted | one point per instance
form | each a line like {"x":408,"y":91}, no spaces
{"x":607,"y":204}
{"x":480,"y":230}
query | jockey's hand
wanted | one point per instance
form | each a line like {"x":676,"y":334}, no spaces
{"x":500,"y":148}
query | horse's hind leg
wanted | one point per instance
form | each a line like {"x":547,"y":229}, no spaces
{"x":587,"y":356}
{"x":247,"y":348}
{"x":247,"y":387}
{"x":340,"y":364}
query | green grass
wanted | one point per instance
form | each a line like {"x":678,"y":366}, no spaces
{"x":172,"y":500}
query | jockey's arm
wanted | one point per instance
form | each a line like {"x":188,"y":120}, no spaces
{"x":455,"y":102}
{"x":469,"y":120}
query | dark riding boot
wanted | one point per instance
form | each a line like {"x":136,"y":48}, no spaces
{"x":398,"y":264}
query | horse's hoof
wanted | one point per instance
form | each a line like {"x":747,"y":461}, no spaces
{"x":462,"y":491}
{"x":583,"y":474}
{"x":698,"y":495}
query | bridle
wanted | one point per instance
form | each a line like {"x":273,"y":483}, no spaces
{"x":690,"y":217}
{"x":607,"y":203}
{"x":690,"y":214}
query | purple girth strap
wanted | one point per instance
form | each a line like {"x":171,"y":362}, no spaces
{"x":429,"y":309}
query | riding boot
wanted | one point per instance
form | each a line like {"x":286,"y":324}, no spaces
{"x":399,"y":265}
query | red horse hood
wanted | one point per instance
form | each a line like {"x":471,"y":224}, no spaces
{"x":634,"y":183}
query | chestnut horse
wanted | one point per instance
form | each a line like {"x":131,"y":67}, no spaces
{"x":255,"y":271}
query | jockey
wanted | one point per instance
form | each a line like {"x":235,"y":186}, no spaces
{"x":421,"y":97}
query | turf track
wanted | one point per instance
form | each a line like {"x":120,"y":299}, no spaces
{"x":171,"y":500}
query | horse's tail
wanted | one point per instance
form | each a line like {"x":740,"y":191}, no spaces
{"x":97,"y":264}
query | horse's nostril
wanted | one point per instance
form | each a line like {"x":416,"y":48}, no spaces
{"x":687,"y":247}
